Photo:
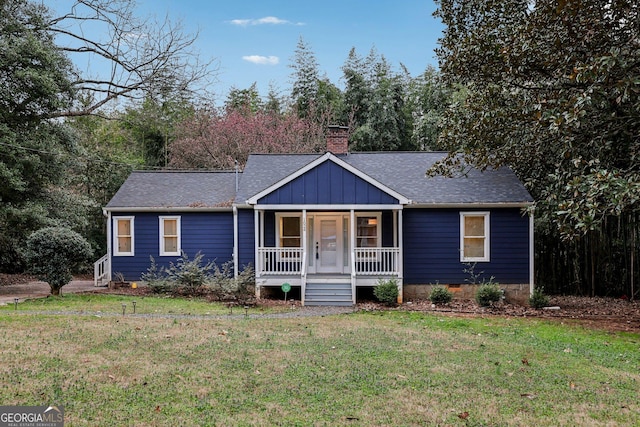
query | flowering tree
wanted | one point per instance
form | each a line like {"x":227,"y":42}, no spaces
{"x":216,"y":140}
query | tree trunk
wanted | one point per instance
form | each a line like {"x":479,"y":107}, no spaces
{"x":55,"y":291}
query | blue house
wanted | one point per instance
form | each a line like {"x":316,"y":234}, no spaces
{"x":331,"y":225}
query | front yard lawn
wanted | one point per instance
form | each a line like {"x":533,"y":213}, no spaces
{"x":364,"y":369}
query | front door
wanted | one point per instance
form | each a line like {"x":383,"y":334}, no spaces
{"x":328,"y":244}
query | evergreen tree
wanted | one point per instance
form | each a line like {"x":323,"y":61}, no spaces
{"x":305,"y":78}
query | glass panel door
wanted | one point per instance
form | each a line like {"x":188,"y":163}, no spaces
{"x":328,"y":244}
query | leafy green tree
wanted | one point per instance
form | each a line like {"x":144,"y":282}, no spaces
{"x":244,"y":100}
{"x":426,"y":103}
{"x":552,"y":91}
{"x":275,"y":103}
{"x":36,"y":154}
{"x":55,"y":253}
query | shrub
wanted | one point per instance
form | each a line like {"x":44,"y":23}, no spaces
{"x":225,"y":286}
{"x":54,"y":253}
{"x":440,"y":295}
{"x":538,"y":299}
{"x":190,"y":275}
{"x":192,"y":278}
{"x":488,"y":293}
{"x":386,"y":291}
{"x":156,"y":279}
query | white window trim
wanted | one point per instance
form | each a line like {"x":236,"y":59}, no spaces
{"x":487,"y":234}
{"x":163,"y":252}
{"x":378,"y":216}
{"x":280,"y":215}
{"x":116,"y":219}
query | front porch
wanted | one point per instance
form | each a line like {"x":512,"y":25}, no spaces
{"x":327,"y":255}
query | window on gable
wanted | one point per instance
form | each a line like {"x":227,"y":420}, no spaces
{"x":123,"y":244}
{"x":290,"y":232}
{"x":169,"y":235}
{"x":474,"y":236}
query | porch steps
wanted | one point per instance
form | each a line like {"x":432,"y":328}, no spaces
{"x":328,"y":293}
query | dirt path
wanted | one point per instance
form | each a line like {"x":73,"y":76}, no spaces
{"x":37,"y":289}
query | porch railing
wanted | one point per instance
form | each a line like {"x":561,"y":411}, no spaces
{"x":291,"y":261}
{"x":285,"y":261}
{"x":376,"y":261}
{"x":101,"y":271}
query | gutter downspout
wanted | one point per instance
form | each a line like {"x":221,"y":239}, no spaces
{"x":531,"y":252}
{"x":235,"y":242}
{"x":109,"y":241}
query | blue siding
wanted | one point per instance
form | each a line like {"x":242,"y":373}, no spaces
{"x":326,"y":184}
{"x":270,"y":229}
{"x":432,"y":240}
{"x":209,"y":232}
{"x":246,"y":241}
{"x":387,"y":229}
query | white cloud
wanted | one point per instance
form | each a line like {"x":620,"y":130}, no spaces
{"x":272,"y":20}
{"x":241,"y":22}
{"x":262,"y":60}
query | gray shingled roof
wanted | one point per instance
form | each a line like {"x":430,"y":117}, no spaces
{"x":406,"y":174}
{"x":264,"y":170}
{"x":403,"y":172}
{"x":169,"y":189}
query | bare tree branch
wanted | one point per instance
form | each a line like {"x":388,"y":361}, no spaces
{"x":132,"y":59}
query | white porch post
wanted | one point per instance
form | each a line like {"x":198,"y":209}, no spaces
{"x":395,"y":228}
{"x":400,"y":261}
{"x":304,"y":230}
{"x":304,"y":258}
{"x":256,"y":234}
{"x":352,"y":238}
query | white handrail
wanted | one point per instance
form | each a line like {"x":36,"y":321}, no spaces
{"x":101,"y":270}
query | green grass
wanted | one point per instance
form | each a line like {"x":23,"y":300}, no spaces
{"x":364,"y":369}
{"x":96,"y":303}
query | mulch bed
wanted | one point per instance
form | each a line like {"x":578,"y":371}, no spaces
{"x":610,"y":314}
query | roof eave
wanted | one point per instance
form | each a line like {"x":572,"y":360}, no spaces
{"x":472,"y":205}
{"x":168,"y":209}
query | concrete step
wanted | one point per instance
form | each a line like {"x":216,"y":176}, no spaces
{"x":331,"y":291}
{"x":329,"y":303}
{"x":320,"y":292}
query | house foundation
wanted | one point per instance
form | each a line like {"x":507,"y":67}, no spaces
{"x":513,"y":293}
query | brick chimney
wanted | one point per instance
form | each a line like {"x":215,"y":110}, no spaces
{"x":338,"y":139}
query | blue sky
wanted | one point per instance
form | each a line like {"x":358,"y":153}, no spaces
{"x":255,"y":40}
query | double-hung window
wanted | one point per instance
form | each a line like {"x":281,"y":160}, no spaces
{"x":368,"y":229}
{"x":123,"y":237}
{"x":290,"y":232}
{"x":289,"y":235}
{"x":474,"y":236}
{"x":169,"y":235}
